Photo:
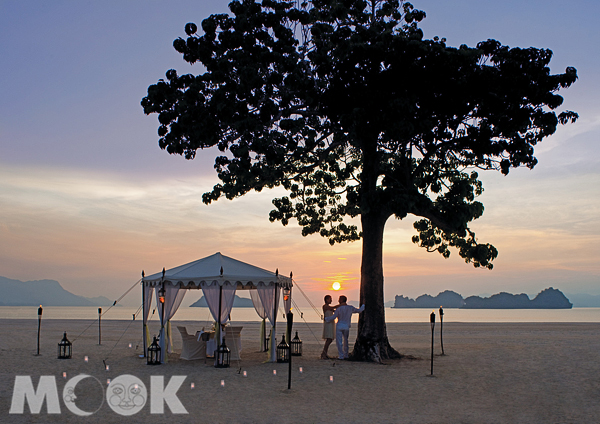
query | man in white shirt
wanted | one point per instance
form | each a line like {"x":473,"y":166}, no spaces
{"x":343,"y":313}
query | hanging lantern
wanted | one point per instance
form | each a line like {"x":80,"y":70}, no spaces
{"x":222,"y":356}
{"x":161,"y":295}
{"x":153,"y":356}
{"x":296,"y":346}
{"x":283,"y":351}
{"x":286,"y":294}
{"x":65,"y":348}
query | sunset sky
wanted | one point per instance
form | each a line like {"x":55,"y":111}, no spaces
{"x":88,"y":198}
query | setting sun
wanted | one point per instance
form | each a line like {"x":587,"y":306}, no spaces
{"x":336,"y":286}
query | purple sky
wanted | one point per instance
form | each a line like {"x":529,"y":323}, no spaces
{"x":88,"y":198}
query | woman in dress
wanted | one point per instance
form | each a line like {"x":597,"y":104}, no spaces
{"x":328,"y":327}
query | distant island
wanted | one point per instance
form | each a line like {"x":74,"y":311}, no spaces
{"x":238,"y":302}
{"x":43,"y":292}
{"x":448,"y":299}
{"x":549,"y":298}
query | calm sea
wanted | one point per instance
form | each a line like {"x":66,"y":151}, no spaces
{"x":248,"y":314}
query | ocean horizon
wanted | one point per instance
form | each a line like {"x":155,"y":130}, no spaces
{"x":399,"y":315}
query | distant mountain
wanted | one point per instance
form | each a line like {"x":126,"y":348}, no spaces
{"x":43,"y":292}
{"x":547,"y":299}
{"x":238,"y":302}
{"x":447,"y":299}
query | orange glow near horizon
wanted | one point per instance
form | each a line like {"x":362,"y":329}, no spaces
{"x":335,"y":281}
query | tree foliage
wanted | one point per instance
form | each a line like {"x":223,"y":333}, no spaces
{"x":346,"y":105}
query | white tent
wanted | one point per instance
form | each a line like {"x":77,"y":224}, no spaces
{"x":219,"y":277}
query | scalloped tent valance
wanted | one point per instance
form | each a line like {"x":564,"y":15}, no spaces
{"x":217,"y":269}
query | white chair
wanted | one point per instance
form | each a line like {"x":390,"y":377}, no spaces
{"x":233,"y":339}
{"x":192,"y":348}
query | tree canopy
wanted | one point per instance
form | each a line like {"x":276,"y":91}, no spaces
{"x":347,"y":106}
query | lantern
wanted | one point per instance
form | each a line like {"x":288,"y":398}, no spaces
{"x":296,"y":346}
{"x":286,"y":294}
{"x":283,"y":351}
{"x":65,"y":348}
{"x":153,"y":356}
{"x":161,"y":295}
{"x":222,"y":356}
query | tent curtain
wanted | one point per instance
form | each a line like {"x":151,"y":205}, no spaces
{"x":147,"y":307}
{"x":211,"y":294}
{"x":269,"y":298}
{"x":260,"y":310}
{"x":173,"y":298}
{"x":258,"y":305}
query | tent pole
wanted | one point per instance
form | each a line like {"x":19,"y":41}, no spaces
{"x":144,"y":315}
{"x":219,"y":317}
{"x":163,"y":341}
{"x":273,"y":335}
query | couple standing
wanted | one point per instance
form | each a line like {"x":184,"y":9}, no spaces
{"x":343,"y":313}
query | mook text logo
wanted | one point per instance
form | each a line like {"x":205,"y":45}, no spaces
{"x":125,"y":395}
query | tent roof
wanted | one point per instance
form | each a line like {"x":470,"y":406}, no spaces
{"x":208,"y":270}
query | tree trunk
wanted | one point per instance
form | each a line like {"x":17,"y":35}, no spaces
{"x":372,"y":343}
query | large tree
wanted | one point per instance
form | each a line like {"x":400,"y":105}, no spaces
{"x":355,"y":114}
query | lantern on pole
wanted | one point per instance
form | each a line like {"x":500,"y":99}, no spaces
{"x":296,"y":346}
{"x":222,"y":356}
{"x":65,"y":348}
{"x":432,"y":322}
{"x":287,"y":303}
{"x":153,"y":356}
{"x":283,"y":351}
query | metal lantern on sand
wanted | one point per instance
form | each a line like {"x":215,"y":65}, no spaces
{"x":65,"y":348}
{"x":283,"y":351}
{"x":222,"y":356}
{"x":296,"y":346}
{"x":153,"y":356}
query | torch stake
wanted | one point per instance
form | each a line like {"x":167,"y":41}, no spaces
{"x":442,"y":329}
{"x":40,"y":309}
{"x":290,"y":321}
{"x":432,"y":321}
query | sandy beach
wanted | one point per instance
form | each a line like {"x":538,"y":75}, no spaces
{"x":491,"y":373}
